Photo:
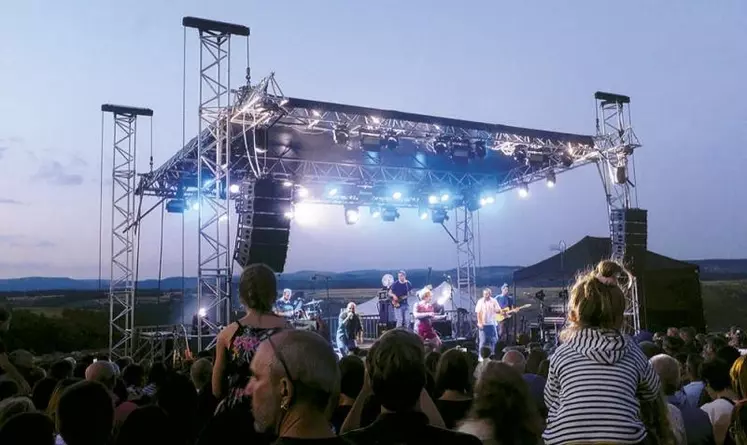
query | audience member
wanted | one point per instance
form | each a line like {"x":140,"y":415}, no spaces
{"x":655,"y":415}
{"x":728,"y":354}
{"x":156,"y":377}
{"x":502,"y":412}
{"x":738,"y":429}
{"x":352,"y":373}
{"x":396,"y":377}
{"x":738,"y":376}
{"x":28,"y":428}
{"x":149,"y":426}
{"x":61,"y":369}
{"x":295,"y":380}
{"x":516,"y":360}
{"x":8,"y":388}
{"x":43,"y":392}
{"x":485,"y":353}
{"x":694,"y":390}
{"x":103,"y":372}
{"x":14,"y":405}
{"x":712,"y":344}
{"x":201,"y":373}
{"x":672,"y":345}
{"x":5,"y":365}
{"x":673,"y":332}
{"x":718,"y":384}
{"x":54,"y":400}
{"x":535,"y":357}
{"x":454,"y":386}
{"x":177,"y":397}
{"x":431,"y":361}
{"x":85,"y":415}
{"x":687,"y":334}
{"x":597,"y":367}
{"x":544,"y":369}
{"x":695,"y":421}
{"x":133,"y":377}
{"x":649,"y":349}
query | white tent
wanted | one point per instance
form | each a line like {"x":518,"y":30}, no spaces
{"x":441,"y":294}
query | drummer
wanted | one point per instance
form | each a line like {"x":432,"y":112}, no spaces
{"x":283,"y":305}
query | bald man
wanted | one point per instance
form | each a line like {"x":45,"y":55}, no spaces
{"x":536,"y":383}
{"x":103,"y":372}
{"x":349,"y":328}
{"x":294,"y":386}
{"x":516,"y":360}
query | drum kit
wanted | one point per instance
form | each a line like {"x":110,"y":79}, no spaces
{"x":307,"y":315}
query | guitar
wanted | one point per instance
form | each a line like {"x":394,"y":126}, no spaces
{"x":505,"y":314}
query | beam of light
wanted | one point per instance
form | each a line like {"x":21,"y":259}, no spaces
{"x":306,"y":214}
{"x":397,"y":195}
{"x":444,"y":197}
{"x":433,"y":199}
{"x":234,"y":188}
{"x":332,"y":192}
{"x":202,"y":312}
{"x":424,"y":215}
{"x":302,"y":192}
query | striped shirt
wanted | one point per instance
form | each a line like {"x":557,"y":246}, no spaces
{"x":593,"y":390}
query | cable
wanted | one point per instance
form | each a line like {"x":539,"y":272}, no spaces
{"x":101,"y":201}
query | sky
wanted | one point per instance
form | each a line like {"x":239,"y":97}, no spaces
{"x":530,"y":64}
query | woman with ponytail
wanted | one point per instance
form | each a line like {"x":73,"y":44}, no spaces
{"x":598,"y":377}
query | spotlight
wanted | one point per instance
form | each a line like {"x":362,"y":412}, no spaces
{"x":287,"y":183}
{"x":352,"y":215}
{"x":341,"y":135}
{"x":444,"y":197}
{"x":389,"y":214}
{"x":375,"y":212}
{"x":480,"y":150}
{"x":223,"y":218}
{"x":439,"y":216}
{"x":202,"y":312}
{"x":397,"y":195}
{"x":566,"y":159}
{"x":390,"y":140}
{"x":234,"y":188}
{"x":550,"y":179}
{"x":523,"y":191}
{"x":424,"y":215}
{"x":289,"y":214}
{"x":195,"y":205}
{"x":520,"y":154}
{"x":433,"y":199}
{"x":441,"y":145}
{"x":175,"y":206}
{"x":460,"y":150}
{"x":483,"y":202}
{"x":302,"y":192}
{"x":332,"y":192}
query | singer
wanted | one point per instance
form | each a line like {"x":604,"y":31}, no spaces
{"x":348,"y":330}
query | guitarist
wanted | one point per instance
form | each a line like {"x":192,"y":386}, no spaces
{"x":506,"y":303}
{"x":398,"y":293}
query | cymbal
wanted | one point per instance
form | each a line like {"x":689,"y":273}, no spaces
{"x":312,"y":302}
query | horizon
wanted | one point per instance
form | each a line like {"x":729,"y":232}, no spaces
{"x":457,"y":64}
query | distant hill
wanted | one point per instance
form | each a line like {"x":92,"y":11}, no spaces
{"x":710,"y":270}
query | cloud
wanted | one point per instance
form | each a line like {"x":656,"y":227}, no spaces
{"x":10,"y":201}
{"x":54,"y":173}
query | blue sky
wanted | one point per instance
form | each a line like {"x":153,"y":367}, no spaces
{"x":532,"y":64}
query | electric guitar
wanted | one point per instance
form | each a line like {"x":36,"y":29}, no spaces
{"x":507,"y":313}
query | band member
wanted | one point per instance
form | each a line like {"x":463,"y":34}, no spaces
{"x":348,"y":330}
{"x":487,"y":308}
{"x":398,"y":292}
{"x":425,"y":313}
{"x":283,"y":306}
{"x":506,"y":302}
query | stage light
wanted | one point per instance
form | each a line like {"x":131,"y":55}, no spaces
{"x":523,"y":191}
{"x":433,"y":199}
{"x":621,"y":175}
{"x":460,"y":150}
{"x":306,"y":214}
{"x":287,"y":183}
{"x":375,"y":212}
{"x":389,"y":214}
{"x":390,"y":140}
{"x":341,"y":135}
{"x":480,"y":150}
{"x":441,"y":145}
{"x":175,"y":206}
{"x":234,"y":188}
{"x":332,"y":192}
{"x":302,"y":192}
{"x":489,"y":200}
{"x":202,"y":313}
{"x":397,"y":195}
{"x":566,"y":159}
{"x":223,"y":218}
{"x":483,"y":202}
{"x":195,"y":205}
{"x":439,"y":216}
{"x":520,"y":155}
{"x":444,"y":197}
{"x":352,"y":215}
{"x":424,"y":215}
{"x":289,"y":214}
{"x":550,"y":179}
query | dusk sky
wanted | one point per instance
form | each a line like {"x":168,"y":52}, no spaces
{"x":529,"y":64}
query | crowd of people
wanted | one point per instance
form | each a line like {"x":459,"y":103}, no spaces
{"x":265,"y":382}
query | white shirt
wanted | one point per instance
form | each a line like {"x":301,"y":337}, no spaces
{"x":719,"y":411}
{"x":486,"y":310}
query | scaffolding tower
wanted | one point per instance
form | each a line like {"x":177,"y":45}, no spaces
{"x":213,"y":173}
{"x":123,"y":264}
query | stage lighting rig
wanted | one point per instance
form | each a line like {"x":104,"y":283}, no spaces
{"x":375,"y":211}
{"x":524,"y":190}
{"x":460,"y":150}
{"x":352,"y":215}
{"x":520,"y":154}
{"x":302,"y":192}
{"x":433,"y":199}
{"x":480,"y":149}
{"x":390,"y":140}
{"x":439,"y":216}
{"x":234,"y":188}
{"x":550,"y":179}
{"x":536,"y":160}
{"x":441,"y":145}
{"x":341,"y":134}
{"x":389,"y":214}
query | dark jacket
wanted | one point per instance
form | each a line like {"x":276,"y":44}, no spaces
{"x":407,"y":428}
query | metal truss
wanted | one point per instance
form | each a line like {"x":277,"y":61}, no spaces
{"x":616,"y":143}
{"x":123,"y":264}
{"x":213,"y":173}
{"x":465,"y":246}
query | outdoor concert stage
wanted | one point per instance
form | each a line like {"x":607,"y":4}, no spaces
{"x":259,"y":152}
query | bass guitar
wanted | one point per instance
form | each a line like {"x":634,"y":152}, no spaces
{"x":507,"y":313}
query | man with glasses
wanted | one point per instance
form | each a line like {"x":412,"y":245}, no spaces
{"x":295,"y":380}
